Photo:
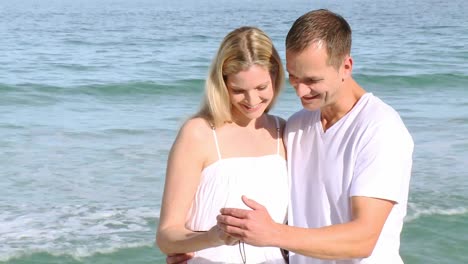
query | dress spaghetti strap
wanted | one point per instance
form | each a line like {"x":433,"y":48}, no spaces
{"x":216,"y":141}
{"x":277,"y":135}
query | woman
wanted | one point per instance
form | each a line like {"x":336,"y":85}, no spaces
{"x":232,"y":147}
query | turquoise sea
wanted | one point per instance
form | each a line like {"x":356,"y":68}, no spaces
{"x":92,"y":93}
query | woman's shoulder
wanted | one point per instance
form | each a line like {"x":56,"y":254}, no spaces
{"x":196,"y":128}
{"x":197,"y":123}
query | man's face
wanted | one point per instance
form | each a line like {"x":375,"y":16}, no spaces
{"x":316,"y":83}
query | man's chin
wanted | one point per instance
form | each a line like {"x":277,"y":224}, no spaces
{"x":310,"y":107}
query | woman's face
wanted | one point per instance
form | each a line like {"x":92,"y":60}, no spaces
{"x":250,"y":91}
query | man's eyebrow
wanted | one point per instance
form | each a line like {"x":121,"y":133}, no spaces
{"x":313,"y":78}
{"x":308,"y":78}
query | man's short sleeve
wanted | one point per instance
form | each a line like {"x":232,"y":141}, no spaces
{"x":383,"y":162}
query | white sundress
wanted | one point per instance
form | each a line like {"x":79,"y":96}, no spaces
{"x":263,"y":179}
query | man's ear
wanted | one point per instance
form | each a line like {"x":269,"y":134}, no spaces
{"x":347,"y":67}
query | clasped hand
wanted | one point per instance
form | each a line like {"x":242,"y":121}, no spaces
{"x":219,"y":237}
{"x":254,"y":227}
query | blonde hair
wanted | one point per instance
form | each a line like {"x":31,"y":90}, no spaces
{"x":239,"y":50}
{"x":321,"y":27}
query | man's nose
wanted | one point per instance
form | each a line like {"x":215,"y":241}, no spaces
{"x":301,"y":89}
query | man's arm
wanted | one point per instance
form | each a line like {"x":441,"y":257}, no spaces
{"x":355,"y":239}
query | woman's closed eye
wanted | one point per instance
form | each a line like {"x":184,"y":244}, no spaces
{"x":237,"y":91}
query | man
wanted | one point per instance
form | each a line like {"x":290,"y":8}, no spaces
{"x":349,"y":156}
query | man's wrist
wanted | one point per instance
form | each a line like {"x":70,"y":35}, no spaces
{"x":278,"y":235}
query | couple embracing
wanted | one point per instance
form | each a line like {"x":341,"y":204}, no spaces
{"x":330,"y":185}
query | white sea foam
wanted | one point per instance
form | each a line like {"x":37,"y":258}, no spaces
{"x":76,"y":252}
{"x":417,"y":212}
{"x":78,"y":231}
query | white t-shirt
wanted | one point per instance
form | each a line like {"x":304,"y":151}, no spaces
{"x":368,"y":152}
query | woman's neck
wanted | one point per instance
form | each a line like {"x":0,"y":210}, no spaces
{"x":244,"y":122}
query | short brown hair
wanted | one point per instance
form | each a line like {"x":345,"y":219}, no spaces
{"x":321,"y":26}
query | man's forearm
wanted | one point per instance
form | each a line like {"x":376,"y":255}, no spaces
{"x":343,"y":241}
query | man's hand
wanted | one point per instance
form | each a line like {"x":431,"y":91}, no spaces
{"x":178,"y":258}
{"x":254,"y":227}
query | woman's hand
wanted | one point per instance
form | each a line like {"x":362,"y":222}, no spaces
{"x":219,"y":237}
{"x":215,"y":234}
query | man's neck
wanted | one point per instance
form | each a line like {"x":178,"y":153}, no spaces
{"x":350,"y":95}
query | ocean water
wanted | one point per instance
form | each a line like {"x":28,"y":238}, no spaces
{"x":92,"y":94}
